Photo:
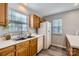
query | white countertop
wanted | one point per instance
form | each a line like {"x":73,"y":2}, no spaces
{"x":6,"y":43}
{"x":73,"y":40}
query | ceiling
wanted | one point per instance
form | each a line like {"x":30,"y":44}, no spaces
{"x":45,"y":9}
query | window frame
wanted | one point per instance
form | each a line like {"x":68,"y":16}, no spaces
{"x":11,"y":21}
{"x":60,"y":31}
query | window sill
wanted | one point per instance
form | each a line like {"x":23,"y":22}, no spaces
{"x":57,"y":33}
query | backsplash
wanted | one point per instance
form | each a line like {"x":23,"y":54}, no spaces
{"x":3,"y":30}
{"x":33,"y":31}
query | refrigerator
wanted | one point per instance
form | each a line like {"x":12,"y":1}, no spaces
{"x":45,"y":30}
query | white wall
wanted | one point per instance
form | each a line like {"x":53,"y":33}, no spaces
{"x":20,"y":7}
{"x":70,"y":22}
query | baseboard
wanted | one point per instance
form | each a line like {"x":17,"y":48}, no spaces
{"x":39,"y":51}
{"x":59,"y":46}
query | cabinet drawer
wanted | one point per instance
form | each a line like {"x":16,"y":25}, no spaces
{"x":7,"y":50}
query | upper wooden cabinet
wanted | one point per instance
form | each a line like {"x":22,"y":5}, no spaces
{"x":34,"y":21}
{"x":3,"y":13}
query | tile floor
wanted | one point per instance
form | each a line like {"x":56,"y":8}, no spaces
{"x":53,"y":51}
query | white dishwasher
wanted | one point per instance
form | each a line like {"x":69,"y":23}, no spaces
{"x":40,"y":43}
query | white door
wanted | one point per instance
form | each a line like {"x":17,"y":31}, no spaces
{"x":46,"y":31}
{"x":42,"y":30}
{"x":48,"y":34}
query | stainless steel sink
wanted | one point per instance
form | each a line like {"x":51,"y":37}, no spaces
{"x":23,"y":38}
{"x":30,"y":36}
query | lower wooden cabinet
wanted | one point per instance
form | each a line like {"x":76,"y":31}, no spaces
{"x":26,"y":48}
{"x":9,"y":51}
{"x":70,"y":50}
{"x":22,"y":49}
{"x":33,"y":47}
{"x":75,"y":51}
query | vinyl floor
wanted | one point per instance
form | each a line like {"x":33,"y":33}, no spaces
{"x":53,"y":51}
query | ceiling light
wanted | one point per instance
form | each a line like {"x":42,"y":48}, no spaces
{"x":75,"y":4}
{"x":25,"y":4}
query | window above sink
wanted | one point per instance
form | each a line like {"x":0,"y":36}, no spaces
{"x":18,"y":22}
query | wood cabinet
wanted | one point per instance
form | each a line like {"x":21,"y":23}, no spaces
{"x":9,"y":51}
{"x":22,"y":49}
{"x":33,"y":47}
{"x":70,"y":50}
{"x":75,"y":52}
{"x":26,"y":48}
{"x":34,"y":21}
{"x":3,"y":13}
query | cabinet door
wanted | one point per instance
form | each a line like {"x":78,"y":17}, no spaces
{"x":22,"y":49}
{"x":3,"y":11}
{"x":27,"y":51}
{"x":10,"y":51}
{"x":34,"y":21}
{"x":75,"y":52}
{"x":27,"y":48}
{"x":21,"y":52}
{"x":37,"y":22}
{"x":69,"y":48}
{"x":33,"y":47}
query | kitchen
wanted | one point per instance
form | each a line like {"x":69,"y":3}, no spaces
{"x":26,"y":32}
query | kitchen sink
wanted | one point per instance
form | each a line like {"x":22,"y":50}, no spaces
{"x":23,"y":38}
{"x":30,"y":36}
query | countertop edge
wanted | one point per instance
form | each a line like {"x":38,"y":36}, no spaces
{"x":13,"y":42}
{"x":72,"y":45}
